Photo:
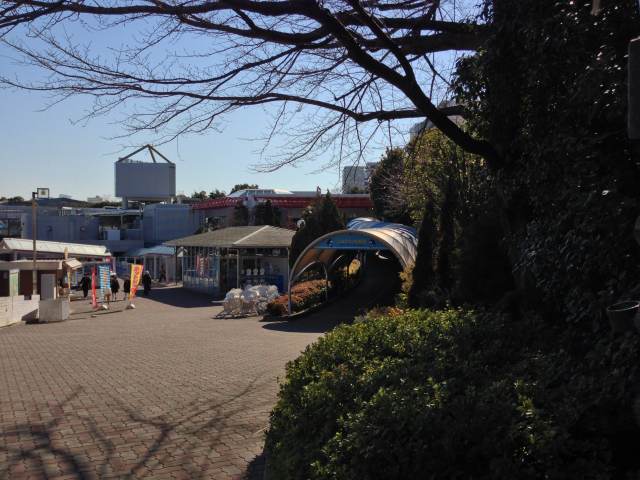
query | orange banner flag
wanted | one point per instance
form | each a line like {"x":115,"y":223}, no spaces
{"x":136,"y":275}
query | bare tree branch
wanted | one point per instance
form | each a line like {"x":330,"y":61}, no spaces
{"x":359,"y":60}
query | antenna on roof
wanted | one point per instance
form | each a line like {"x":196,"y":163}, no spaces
{"x":153,"y":151}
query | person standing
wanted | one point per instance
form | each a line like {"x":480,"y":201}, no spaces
{"x":163,"y":275}
{"x":115,"y":287}
{"x":146,"y":282}
{"x":85,"y":284}
{"x":126,"y":287}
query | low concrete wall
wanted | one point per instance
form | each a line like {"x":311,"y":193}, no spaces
{"x":15,"y":309}
{"x":54,"y":310}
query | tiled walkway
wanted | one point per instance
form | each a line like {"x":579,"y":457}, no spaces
{"x":163,"y":391}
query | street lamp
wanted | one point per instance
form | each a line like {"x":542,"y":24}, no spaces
{"x":34,"y":223}
{"x":39,"y":193}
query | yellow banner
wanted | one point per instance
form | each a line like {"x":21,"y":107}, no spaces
{"x":136,"y":275}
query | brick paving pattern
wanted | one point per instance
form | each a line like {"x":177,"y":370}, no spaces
{"x":163,"y":391}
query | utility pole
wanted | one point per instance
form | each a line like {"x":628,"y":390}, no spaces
{"x":34,"y":225}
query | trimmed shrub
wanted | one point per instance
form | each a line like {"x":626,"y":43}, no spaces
{"x":303,"y":295}
{"x":449,"y":395}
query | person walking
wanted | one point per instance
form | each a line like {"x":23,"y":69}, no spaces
{"x":126,"y":287}
{"x":146,"y":282}
{"x":163,"y":275}
{"x":115,"y":287}
{"x":85,"y":284}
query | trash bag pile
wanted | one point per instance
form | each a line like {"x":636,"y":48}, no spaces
{"x":252,"y":300}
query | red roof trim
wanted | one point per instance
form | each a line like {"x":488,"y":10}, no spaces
{"x":217,"y":203}
{"x":289,"y":201}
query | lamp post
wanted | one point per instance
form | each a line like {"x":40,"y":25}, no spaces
{"x":34,"y":232}
{"x":39,"y":193}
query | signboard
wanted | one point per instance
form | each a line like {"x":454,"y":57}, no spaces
{"x":350,"y":241}
{"x":136,"y":275}
{"x":202,"y":265}
{"x":14,"y":282}
{"x":103,"y":280}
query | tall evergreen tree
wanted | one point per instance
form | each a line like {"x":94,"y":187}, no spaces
{"x":423,"y":274}
{"x":243,"y":186}
{"x":267,"y":214}
{"x":216,"y":194}
{"x":328,"y":215}
{"x":447,"y":235}
{"x":240,"y":216}
{"x":321,"y":218}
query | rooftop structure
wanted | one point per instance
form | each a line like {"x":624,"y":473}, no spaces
{"x":145,"y":181}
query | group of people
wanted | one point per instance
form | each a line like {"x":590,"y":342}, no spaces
{"x":114,"y":286}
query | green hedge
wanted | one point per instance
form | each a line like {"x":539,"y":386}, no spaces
{"x":449,"y":395}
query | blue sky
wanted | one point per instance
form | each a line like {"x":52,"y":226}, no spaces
{"x":47,"y":149}
{"x":44,"y":148}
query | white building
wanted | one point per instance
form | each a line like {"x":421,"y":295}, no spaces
{"x":100,"y":199}
{"x":356,"y":177}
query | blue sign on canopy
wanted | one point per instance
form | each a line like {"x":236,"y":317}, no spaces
{"x":350,"y":241}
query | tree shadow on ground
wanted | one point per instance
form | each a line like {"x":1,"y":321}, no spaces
{"x":315,"y":323}
{"x":177,"y":297}
{"x":190,"y":441}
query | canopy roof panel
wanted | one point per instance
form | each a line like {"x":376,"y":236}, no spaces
{"x":76,"y":249}
{"x":263,"y":236}
{"x":361,"y":234}
{"x":58,"y":264}
{"x":160,"y":250}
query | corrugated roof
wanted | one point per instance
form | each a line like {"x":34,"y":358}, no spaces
{"x":157,"y":250}
{"x":42,"y":246}
{"x":28,"y":265}
{"x":263,"y":236}
{"x":72,"y":263}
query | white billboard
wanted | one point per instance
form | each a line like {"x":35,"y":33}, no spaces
{"x":145,"y":181}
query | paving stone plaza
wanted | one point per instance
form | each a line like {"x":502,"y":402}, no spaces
{"x":162,"y":391}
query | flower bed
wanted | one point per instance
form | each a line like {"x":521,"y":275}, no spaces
{"x":303,"y":295}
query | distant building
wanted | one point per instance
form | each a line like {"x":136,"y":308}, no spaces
{"x":356,"y":177}
{"x":100,"y":199}
{"x":117,"y":229}
{"x":219,"y":212}
{"x":420,"y":127}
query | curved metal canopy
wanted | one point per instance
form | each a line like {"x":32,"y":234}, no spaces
{"x":361,"y":234}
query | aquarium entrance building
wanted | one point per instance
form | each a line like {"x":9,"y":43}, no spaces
{"x":215,"y":262}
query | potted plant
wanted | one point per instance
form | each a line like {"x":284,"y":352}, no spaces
{"x":622,"y":315}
